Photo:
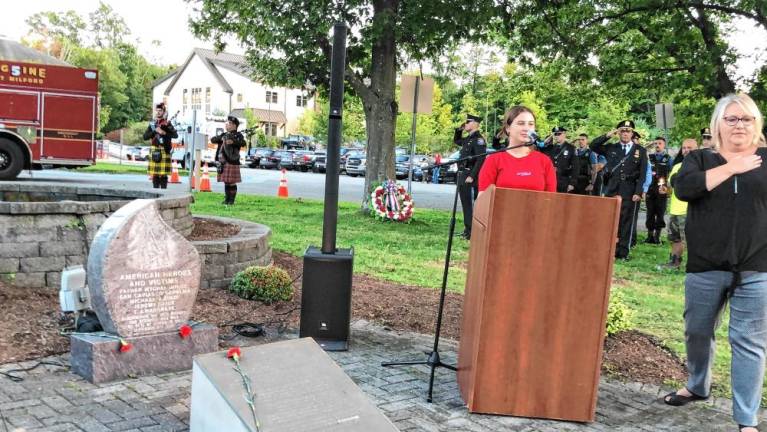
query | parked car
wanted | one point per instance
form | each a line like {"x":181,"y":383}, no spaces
{"x":401,"y":166}
{"x":270,"y":160}
{"x":143,"y":154}
{"x":320,"y":160}
{"x":133,"y":153}
{"x":344,"y":152}
{"x":303,"y":160}
{"x":355,"y":164}
{"x":449,"y":175}
{"x":253,"y":158}
{"x":285,"y":159}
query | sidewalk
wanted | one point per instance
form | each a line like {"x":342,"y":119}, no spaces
{"x":52,"y":399}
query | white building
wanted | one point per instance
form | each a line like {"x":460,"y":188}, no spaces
{"x":217,"y":85}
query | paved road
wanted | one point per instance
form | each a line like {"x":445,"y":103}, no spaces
{"x":256,"y":181}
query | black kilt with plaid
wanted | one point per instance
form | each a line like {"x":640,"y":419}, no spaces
{"x":161,"y":168}
{"x":231,"y":174}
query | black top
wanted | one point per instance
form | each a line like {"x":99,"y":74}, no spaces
{"x":624,"y":174}
{"x":161,"y":140}
{"x":472,"y":145}
{"x":231,"y":151}
{"x":660,"y":169}
{"x":565,"y":161}
{"x":726,"y":228}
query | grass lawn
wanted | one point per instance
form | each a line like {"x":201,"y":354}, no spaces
{"x":414,"y":254}
{"x":116,"y":168}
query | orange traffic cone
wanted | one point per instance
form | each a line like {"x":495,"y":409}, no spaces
{"x":205,"y":179}
{"x":174,"y":173}
{"x":282,"y":191}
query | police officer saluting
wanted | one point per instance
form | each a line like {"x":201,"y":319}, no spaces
{"x":624,"y":176}
{"x":473,"y":144}
{"x":657,"y":194}
{"x":567,"y":163}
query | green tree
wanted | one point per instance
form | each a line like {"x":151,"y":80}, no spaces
{"x":54,"y":33}
{"x":112,"y":84}
{"x":107,"y":28}
{"x":289,"y":43}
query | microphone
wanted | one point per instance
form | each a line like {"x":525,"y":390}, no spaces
{"x":533,"y":137}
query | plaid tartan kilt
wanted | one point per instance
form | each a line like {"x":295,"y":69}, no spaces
{"x":161,"y":168}
{"x":230,"y":175}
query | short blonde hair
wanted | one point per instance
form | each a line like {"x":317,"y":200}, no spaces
{"x":748,"y":105}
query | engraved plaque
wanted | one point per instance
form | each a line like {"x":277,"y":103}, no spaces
{"x":143,"y":276}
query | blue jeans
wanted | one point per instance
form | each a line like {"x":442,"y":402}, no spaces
{"x":704,"y":303}
{"x":435,"y":175}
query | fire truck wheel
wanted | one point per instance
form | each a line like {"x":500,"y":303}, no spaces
{"x":11,"y":159}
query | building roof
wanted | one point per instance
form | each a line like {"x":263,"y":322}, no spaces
{"x":14,"y":51}
{"x":163,"y":78}
{"x":263,"y":116}
{"x":212,"y":60}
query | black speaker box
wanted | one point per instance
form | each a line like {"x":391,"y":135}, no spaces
{"x":326,"y":297}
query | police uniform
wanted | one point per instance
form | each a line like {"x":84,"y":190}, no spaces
{"x":624,"y":175}
{"x":472,"y":145}
{"x":655,"y":200}
{"x":583,"y":178}
{"x":565,"y":161}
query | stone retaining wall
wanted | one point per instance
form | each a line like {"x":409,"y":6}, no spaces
{"x":44,"y":228}
{"x":223,"y":258}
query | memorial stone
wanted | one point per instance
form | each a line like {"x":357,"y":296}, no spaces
{"x":143,"y":279}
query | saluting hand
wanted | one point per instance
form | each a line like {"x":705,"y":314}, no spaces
{"x":741,"y":164}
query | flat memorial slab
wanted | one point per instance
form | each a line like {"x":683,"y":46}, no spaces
{"x":298,"y":387}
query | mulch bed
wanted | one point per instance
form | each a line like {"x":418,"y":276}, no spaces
{"x":30,"y":322}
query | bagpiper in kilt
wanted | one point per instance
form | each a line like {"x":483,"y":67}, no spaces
{"x":160,"y":131}
{"x":228,"y":157}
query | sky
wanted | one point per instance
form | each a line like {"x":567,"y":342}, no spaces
{"x":166,"y":21}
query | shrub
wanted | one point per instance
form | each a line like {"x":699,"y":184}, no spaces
{"x":618,"y":314}
{"x":267,"y":284}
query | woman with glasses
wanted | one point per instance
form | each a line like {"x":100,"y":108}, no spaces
{"x":726,"y":228}
{"x":520,"y":166}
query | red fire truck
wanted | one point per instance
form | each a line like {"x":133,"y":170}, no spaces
{"x":48,"y":117}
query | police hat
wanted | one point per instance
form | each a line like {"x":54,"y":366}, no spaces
{"x":705,"y":132}
{"x":635,"y":134}
{"x":625,"y":124}
{"x":234,"y":120}
{"x":473,"y":118}
{"x":558,"y":129}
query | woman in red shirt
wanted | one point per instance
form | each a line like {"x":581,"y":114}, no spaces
{"x":521,"y":167}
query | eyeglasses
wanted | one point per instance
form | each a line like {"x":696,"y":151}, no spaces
{"x":733,"y":120}
{"x":706,"y":136}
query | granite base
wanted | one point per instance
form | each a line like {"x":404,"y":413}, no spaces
{"x":98,"y":358}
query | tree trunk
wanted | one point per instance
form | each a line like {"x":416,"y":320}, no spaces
{"x":379,"y":103}
{"x":722,"y":84}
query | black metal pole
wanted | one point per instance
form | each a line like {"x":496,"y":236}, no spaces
{"x":335,"y":125}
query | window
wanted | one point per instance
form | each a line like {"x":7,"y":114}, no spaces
{"x":270,"y":129}
{"x":301,"y":100}
{"x":207,"y":100}
{"x":184,"y":100}
{"x":271,"y":96}
{"x":196,"y":98}
{"x":239,"y":97}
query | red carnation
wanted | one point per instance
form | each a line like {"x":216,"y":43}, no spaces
{"x":184,"y":331}
{"x":125,"y":346}
{"x":234,"y":353}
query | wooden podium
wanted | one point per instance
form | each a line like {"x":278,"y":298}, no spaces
{"x":535,"y":305}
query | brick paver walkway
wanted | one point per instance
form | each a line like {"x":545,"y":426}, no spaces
{"x":52,"y":399}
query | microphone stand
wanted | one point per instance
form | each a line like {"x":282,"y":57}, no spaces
{"x":432,"y":357}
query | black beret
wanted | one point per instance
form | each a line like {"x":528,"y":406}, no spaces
{"x":234,"y":120}
{"x":559,"y":129}
{"x":470,"y":117}
{"x":160,"y":105}
{"x":626,"y":124}
{"x":705,"y":132}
